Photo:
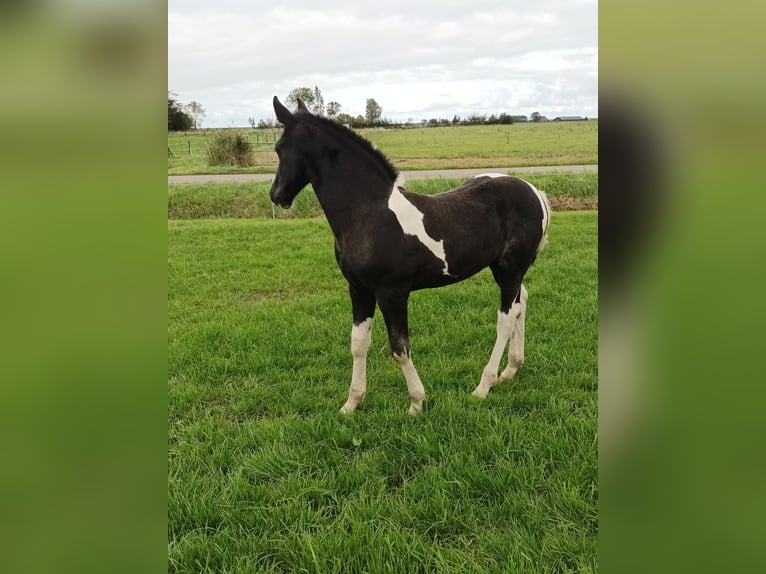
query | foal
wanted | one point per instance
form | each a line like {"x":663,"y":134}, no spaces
{"x":390,"y":242}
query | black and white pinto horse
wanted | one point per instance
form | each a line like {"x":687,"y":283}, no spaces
{"x":390,"y":242}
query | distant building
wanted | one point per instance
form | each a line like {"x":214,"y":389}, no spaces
{"x":569,"y":119}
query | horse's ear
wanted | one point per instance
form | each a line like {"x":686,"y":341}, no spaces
{"x":302,"y":107}
{"x":283,"y":114}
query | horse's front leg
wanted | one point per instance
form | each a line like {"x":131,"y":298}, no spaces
{"x":393,"y":305}
{"x":363,"y":308}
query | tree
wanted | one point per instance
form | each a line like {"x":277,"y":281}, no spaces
{"x":251,"y":121}
{"x":196,"y":111}
{"x":312,"y":98}
{"x":178,"y":119}
{"x":318,"y":102}
{"x":333,"y":109}
{"x":373,"y":111}
{"x":535,"y":117}
{"x":505,"y":119}
{"x":345,"y":119}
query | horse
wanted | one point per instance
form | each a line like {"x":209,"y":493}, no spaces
{"x":390,"y":242}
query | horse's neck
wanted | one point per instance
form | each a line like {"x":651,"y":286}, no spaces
{"x":350,"y":189}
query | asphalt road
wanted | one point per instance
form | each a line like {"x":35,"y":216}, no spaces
{"x":408,"y":175}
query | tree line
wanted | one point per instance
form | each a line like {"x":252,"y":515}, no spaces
{"x":373,"y":116}
{"x":183,"y":117}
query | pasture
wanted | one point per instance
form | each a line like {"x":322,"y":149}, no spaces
{"x":265,"y":475}
{"x":522,"y":144}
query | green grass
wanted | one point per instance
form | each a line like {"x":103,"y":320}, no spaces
{"x":266,"y":476}
{"x":190,"y":152}
{"x":524,"y":144}
{"x":466,"y":146}
{"x":251,"y":200}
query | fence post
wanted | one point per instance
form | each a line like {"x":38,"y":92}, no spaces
{"x":189,"y":142}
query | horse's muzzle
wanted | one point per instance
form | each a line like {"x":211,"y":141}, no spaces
{"x":275,"y":194}
{"x":280,"y":201}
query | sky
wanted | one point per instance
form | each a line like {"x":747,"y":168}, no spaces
{"x":419,"y":59}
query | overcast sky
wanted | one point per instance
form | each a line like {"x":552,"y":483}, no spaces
{"x":419,"y":59}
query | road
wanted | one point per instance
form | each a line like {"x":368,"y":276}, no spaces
{"x":408,"y":175}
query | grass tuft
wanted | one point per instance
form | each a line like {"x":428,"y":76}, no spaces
{"x":230,"y":147}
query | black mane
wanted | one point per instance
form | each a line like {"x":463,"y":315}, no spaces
{"x":352,"y":137}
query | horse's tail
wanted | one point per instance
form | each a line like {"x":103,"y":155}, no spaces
{"x":545,"y":206}
{"x":549,"y":211}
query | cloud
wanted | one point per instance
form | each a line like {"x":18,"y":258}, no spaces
{"x":417,"y":59}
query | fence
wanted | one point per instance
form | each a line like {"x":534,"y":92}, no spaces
{"x":191,"y":147}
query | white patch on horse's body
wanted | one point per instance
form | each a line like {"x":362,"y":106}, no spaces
{"x":410,"y":219}
{"x":361,"y":335}
{"x":542,"y":198}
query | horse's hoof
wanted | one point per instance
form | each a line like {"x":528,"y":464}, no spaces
{"x":347,"y":409}
{"x":414,"y":410}
{"x":508,"y":373}
{"x":480,"y":394}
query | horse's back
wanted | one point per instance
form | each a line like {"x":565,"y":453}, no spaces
{"x":510,"y":200}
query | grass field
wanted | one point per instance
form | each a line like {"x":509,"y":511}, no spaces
{"x":251,"y":200}
{"x":266,"y":476}
{"x":523,"y":144}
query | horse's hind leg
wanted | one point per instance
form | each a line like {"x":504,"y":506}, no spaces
{"x":516,"y":346}
{"x":508,"y":317}
{"x":363,"y":307}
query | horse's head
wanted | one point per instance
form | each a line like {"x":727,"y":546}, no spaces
{"x":292,"y":173}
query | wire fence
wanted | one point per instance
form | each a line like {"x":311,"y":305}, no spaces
{"x":192,"y":146}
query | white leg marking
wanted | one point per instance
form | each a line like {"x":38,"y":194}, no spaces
{"x":360,"y":342}
{"x":516,"y":347}
{"x":505,"y":325}
{"x":410,"y":218}
{"x":414,"y":386}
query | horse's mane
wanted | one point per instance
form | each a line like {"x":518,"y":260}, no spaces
{"x":351,"y":137}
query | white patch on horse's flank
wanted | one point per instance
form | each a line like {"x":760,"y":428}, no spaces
{"x":410,"y":219}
